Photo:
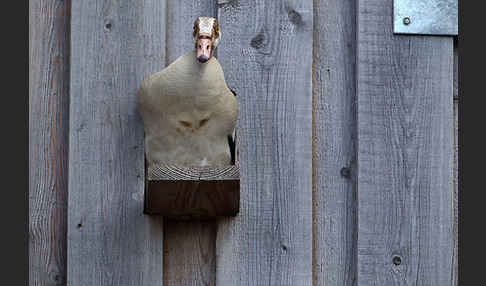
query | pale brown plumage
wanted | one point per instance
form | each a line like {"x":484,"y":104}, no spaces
{"x":188,"y":112}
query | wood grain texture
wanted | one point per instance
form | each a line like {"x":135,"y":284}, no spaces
{"x":335,"y":221}
{"x":48,"y":140}
{"x":455,"y":268}
{"x":208,"y":173}
{"x":190,"y":248}
{"x":456,"y":69}
{"x":405,"y":151}
{"x":266,"y":53}
{"x":193,"y":239}
{"x":192,"y":193}
{"x":114,"y":45}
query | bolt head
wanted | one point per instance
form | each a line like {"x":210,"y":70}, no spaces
{"x":406,"y":21}
{"x":345,"y":172}
{"x":397,"y":260}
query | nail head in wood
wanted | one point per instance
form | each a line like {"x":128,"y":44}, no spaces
{"x":397,"y":260}
{"x":346,"y":172}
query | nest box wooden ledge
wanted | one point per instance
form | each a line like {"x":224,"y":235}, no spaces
{"x":192,"y":193}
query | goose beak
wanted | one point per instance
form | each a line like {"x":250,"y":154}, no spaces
{"x":204,"y":49}
{"x":202,"y":59}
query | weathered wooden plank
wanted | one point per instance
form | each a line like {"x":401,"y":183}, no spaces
{"x":114,"y":45}
{"x":183,"y":193}
{"x":189,"y":256}
{"x":48,"y":140}
{"x":456,"y":158}
{"x":455,"y":261}
{"x":456,"y":69}
{"x":405,"y":149}
{"x":189,"y":249}
{"x":266,"y":53}
{"x":335,"y":221}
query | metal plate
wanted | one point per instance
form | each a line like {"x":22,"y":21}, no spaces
{"x":428,"y":17}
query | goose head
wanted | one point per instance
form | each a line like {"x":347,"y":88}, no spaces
{"x":206,"y":36}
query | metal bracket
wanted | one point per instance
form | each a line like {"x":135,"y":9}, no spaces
{"x":427,"y":17}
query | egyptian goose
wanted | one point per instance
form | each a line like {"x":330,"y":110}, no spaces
{"x":188,"y":111}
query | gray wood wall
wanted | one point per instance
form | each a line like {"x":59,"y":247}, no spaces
{"x":347,"y":139}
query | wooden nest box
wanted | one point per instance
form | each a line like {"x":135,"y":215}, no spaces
{"x":188,"y":112}
{"x":193,"y":193}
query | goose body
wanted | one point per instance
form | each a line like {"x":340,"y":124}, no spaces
{"x":188,"y":113}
